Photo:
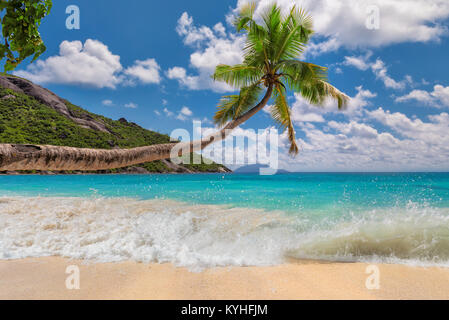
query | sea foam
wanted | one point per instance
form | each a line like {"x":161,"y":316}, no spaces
{"x":201,"y":236}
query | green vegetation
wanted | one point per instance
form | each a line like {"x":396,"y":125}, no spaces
{"x":20,"y":21}
{"x":24,"y":120}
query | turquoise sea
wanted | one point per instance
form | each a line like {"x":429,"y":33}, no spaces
{"x":228,"y":219}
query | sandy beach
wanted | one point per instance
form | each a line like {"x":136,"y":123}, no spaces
{"x":45,"y":278}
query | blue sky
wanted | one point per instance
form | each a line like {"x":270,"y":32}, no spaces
{"x":150,"y":62}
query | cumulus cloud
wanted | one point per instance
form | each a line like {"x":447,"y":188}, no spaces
{"x":180,"y":74}
{"x":342,"y":23}
{"x":146,"y":71}
{"x":438,"y":98}
{"x":212,"y":46}
{"x":404,"y":145}
{"x":90,"y":64}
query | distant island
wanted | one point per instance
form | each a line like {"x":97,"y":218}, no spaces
{"x":30,"y":114}
{"x":255,"y":169}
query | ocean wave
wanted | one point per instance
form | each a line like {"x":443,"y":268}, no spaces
{"x":200,"y":236}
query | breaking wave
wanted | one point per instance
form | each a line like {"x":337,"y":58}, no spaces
{"x":201,"y":236}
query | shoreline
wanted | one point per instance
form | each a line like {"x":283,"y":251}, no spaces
{"x":115,"y":174}
{"x":45,"y":278}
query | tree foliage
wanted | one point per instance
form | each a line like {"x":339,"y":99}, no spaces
{"x":20,"y":21}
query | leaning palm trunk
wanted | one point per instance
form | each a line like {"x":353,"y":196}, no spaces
{"x":55,"y":158}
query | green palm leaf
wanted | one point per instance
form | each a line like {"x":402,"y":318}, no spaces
{"x":281,"y":113}
{"x":311,"y":81}
{"x":233,"y":106}
{"x":238,"y":76}
{"x":294,"y":34}
{"x":245,"y":16}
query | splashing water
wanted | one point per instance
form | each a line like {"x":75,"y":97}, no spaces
{"x":214,"y":220}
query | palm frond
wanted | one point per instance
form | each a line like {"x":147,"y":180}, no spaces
{"x":295,"y":72}
{"x":334,"y":93}
{"x":233,"y":106}
{"x":245,"y":16}
{"x":240,"y":75}
{"x":294,"y":35}
{"x":281,"y":113}
{"x":272,"y":19}
{"x":317,"y":91}
{"x":311,"y":81}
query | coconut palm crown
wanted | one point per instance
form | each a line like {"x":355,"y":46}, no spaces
{"x":271,"y":64}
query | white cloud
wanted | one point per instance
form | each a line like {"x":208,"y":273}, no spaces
{"x":90,"y":64}
{"x":146,"y":71}
{"x":428,"y":134}
{"x":379,"y":69}
{"x":107,"y":103}
{"x":186,"y":111}
{"x":184,"y":114}
{"x":343,"y":22}
{"x":381,"y":72}
{"x":180,"y":74}
{"x":131,"y":105}
{"x":212,"y":47}
{"x":168,"y":112}
{"x":354,"y":128}
{"x":176,"y":73}
{"x":441,"y":93}
{"x":360,"y":62}
{"x":438,"y":98}
{"x":413,"y":145}
{"x":316,"y":48}
{"x":220,"y":29}
{"x":192,"y":35}
{"x":404,"y":144}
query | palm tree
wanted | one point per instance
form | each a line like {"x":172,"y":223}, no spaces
{"x":270,"y":63}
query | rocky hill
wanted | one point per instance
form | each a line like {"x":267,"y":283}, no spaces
{"x":30,"y":114}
